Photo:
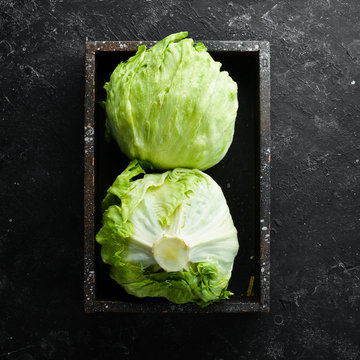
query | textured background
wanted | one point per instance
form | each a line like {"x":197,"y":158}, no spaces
{"x":315,"y":289}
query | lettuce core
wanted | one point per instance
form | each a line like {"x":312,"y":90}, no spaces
{"x":171,"y":252}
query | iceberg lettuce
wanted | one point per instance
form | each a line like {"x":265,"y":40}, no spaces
{"x":168,"y":235}
{"x":171,"y":105}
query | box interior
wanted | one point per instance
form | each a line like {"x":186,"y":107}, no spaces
{"x":237,"y":173}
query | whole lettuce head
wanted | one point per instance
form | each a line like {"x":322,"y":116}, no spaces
{"x":168,"y":235}
{"x":172,"y":106}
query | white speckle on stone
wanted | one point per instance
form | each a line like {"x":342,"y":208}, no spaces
{"x":264,"y":228}
{"x":228,"y":185}
{"x":262,"y":269}
{"x":262,"y":220}
{"x":89,"y":131}
{"x":10,"y":220}
{"x":353,"y":82}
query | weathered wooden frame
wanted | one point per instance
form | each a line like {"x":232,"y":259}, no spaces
{"x":91,"y":304}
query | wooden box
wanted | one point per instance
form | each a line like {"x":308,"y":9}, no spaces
{"x":244,"y":175}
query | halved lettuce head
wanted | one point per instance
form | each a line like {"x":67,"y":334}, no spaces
{"x":171,"y":105}
{"x":168,"y":235}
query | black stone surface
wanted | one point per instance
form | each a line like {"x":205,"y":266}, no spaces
{"x":315,"y":288}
